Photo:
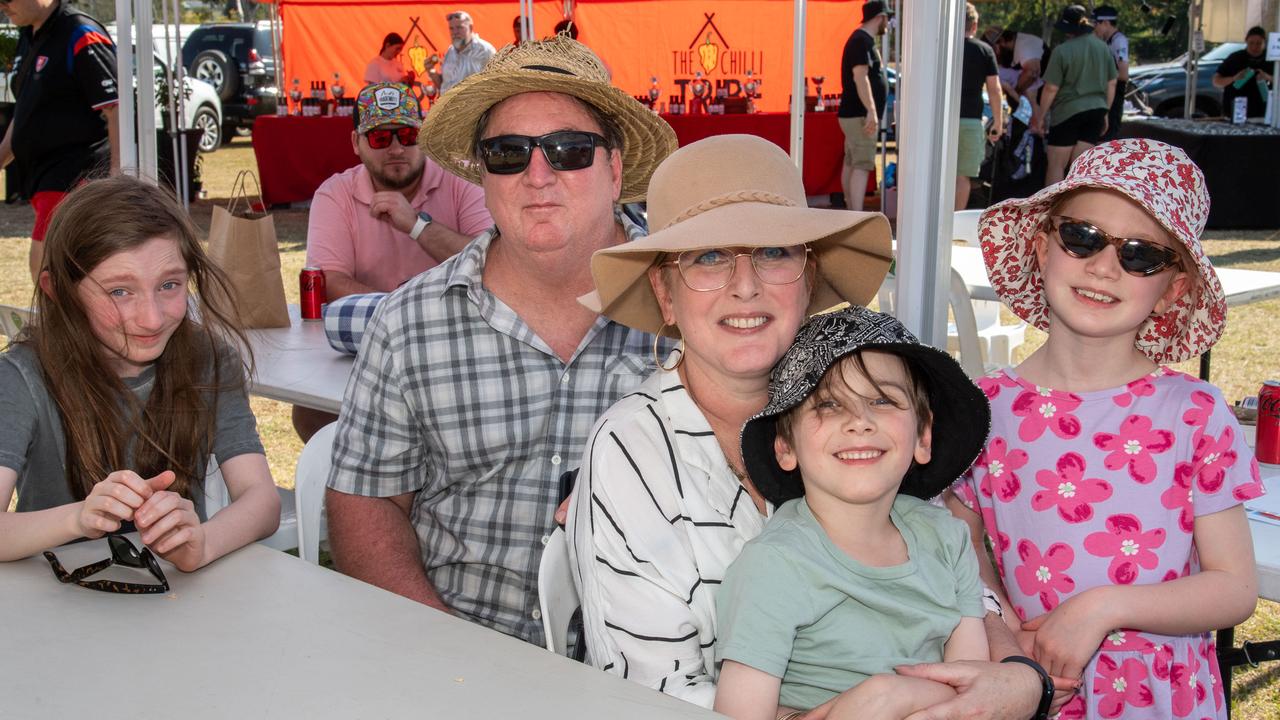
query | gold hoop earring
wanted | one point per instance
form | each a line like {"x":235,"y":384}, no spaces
{"x":657,"y":359}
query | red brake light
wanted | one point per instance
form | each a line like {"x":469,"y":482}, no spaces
{"x":253,"y":55}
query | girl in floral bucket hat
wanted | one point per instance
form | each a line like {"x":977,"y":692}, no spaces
{"x":1111,"y":487}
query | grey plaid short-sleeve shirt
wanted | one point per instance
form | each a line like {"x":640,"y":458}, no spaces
{"x":454,"y":398}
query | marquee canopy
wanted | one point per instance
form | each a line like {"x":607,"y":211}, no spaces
{"x":637,"y":39}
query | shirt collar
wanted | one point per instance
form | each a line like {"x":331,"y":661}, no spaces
{"x":432,"y":176}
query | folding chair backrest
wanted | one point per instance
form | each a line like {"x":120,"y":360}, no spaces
{"x":308,"y":490}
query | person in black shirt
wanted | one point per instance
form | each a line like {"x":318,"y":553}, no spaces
{"x":1246,"y":73}
{"x":979,"y":69}
{"x":64,"y":120}
{"x":862,"y":98}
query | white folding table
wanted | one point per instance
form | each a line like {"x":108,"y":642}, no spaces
{"x":296,"y":365}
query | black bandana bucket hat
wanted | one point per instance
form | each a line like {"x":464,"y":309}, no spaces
{"x":961,"y":414}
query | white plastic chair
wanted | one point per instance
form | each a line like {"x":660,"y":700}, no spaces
{"x":557,"y":595}
{"x":308,"y":491}
{"x":965,"y":328}
{"x":997,"y":342}
{"x":217,"y":497}
{"x":12,"y":320}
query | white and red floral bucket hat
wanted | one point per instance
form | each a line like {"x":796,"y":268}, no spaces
{"x":1164,"y":181}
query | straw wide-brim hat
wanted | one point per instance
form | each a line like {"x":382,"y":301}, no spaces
{"x":1164,"y":182}
{"x":559,"y":65}
{"x":738,"y":191}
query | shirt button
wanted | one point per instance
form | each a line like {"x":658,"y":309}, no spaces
{"x":546,"y":539}
{"x":536,"y":614}
{"x":564,"y":379}
{"x":555,"y":459}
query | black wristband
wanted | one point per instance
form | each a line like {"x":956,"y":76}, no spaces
{"x":1046,"y":696}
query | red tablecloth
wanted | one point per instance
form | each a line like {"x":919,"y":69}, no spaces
{"x":823,"y":140}
{"x":296,"y":154}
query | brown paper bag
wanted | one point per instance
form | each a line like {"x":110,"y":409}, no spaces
{"x":243,"y":244}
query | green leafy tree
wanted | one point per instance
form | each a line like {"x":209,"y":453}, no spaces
{"x":1143,"y":21}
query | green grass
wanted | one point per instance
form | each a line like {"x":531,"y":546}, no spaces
{"x":1248,"y":353}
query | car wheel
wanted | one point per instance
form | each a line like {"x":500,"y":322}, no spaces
{"x":215,"y":68}
{"x":206,"y":121}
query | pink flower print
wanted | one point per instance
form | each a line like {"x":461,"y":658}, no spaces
{"x":1133,"y":446}
{"x":991,"y":384}
{"x":1252,"y":489}
{"x":997,"y":465}
{"x":1127,"y":640}
{"x":1073,"y":710}
{"x":1142,"y":387}
{"x":1044,"y":575}
{"x":1187,"y":690}
{"x":1209,"y":655}
{"x":1161,"y":665}
{"x":1128,"y":547}
{"x":1213,"y":457}
{"x":1120,"y":685}
{"x":1178,"y":496}
{"x":1043,"y":409}
{"x":1198,"y":416}
{"x":1069,"y":490}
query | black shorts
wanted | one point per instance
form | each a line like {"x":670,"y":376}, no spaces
{"x":1083,"y":127}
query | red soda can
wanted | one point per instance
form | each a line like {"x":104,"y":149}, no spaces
{"x":1267,"y":448}
{"x":311,"y":285}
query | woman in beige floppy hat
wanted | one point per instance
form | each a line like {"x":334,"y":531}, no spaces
{"x":735,"y":262}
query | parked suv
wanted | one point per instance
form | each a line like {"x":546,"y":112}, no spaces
{"x":238,"y":60}
{"x":1162,"y":87}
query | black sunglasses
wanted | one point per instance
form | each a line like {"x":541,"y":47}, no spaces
{"x":1137,"y":257}
{"x":564,"y":150}
{"x":379,"y":139}
{"x":123,"y":553}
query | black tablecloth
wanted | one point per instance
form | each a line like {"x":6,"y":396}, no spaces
{"x":1241,"y":165}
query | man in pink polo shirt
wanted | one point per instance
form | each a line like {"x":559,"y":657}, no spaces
{"x":397,"y":213}
{"x":394,"y":215}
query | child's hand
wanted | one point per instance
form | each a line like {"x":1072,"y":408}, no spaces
{"x":170,"y":527}
{"x":1067,"y":637}
{"x":111,"y":502}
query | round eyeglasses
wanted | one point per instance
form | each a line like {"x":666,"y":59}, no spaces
{"x":712,"y":268}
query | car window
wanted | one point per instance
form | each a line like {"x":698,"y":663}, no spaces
{"x":262,"y":42}
{"x":1221,"y":52}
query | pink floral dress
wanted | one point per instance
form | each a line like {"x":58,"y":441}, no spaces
{"x":1079,"y":490}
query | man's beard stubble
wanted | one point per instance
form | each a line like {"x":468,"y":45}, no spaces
{"x":397,"y":183}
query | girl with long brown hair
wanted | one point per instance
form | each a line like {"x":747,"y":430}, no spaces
{"x":124,"y":385}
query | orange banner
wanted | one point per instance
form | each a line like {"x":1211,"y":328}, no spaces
{"x":638,"y":39}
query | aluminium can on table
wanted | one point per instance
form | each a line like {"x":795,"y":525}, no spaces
{"x":311,"y":288}
{"x":1267,"y":447}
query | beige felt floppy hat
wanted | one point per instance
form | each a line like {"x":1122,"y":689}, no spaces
{"x":561,"y":65}
{"x":738,"y":191}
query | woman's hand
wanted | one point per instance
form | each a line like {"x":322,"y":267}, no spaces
{"x":168,"y":524}
{"x":1067,"y":637}
{"x":114,"y":500}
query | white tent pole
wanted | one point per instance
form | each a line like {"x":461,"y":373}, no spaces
{"x":175,"y":118}
{"x":927,"y":138}
{"x":1195,"y":25}
{"x":124,"y":73}
{"x":1274,"y":104}
{"x":281,"y":95}
{"x":146,"y":84}
{"x":797,"y":86}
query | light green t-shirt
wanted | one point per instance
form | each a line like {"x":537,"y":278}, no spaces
{"x":797,"y":607}
{"x":1081,"y":68}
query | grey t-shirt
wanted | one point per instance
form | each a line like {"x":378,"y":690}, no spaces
{"x":32,"y":441}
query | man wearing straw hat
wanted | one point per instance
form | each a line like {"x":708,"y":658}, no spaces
{"x":478,"y":380}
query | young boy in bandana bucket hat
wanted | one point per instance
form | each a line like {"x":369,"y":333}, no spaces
{"x":1111,"y":486}
{"x":856,"y":572}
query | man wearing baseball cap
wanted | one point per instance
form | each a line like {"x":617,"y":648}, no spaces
{"x":1106,"y":21}
{"x":862,"y":99}
{"x":396,"y":214}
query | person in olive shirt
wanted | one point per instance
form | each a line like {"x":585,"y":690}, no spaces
{"x":1079,"y":86}
{"x":979,"y":69}
{"x":863,"y":90}
{"x":1246,"y":73}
